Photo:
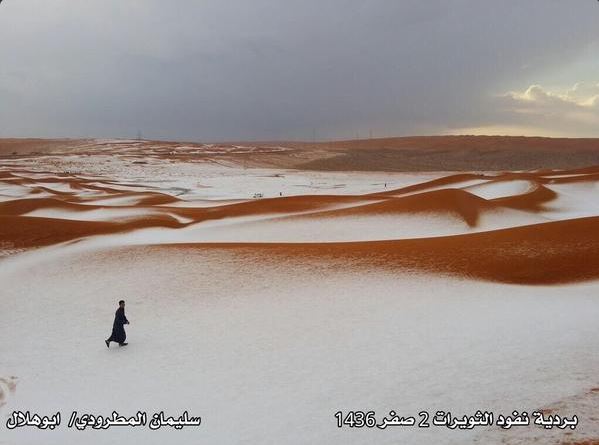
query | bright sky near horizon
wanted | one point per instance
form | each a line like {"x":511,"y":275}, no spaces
{"x":295,"y":69}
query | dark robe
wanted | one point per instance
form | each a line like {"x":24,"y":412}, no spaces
{"x":118,"y":329}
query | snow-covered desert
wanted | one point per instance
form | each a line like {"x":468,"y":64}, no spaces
{"x":265,"y":296}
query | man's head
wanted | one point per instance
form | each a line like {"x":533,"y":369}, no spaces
{"x":122,"y":303}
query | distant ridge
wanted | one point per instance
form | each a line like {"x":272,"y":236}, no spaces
{"x":413,"y":153}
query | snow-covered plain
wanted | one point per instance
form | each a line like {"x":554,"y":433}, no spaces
{"x":267,"y":353}
{"x":215,"y":181}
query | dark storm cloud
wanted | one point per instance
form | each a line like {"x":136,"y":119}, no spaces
{"x":271,"y":69}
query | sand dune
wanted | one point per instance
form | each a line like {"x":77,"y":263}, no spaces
{"x":501,"y":226}
{"x":554,"y":252}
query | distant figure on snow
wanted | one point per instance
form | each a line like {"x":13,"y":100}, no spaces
{"x":118,"y":327}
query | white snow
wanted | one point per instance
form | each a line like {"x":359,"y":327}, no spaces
{"x":576,"y":200}
{"x":501,"y":189}
{"x":10,"y":191}
{"x":116,"y":200}
{"x":342,"y":229}
{"x":192,"y":181}
{"x":260,"y":350}
{"x":63,"y":187}
{"x":456,"y":185}
{"x":103,"y":214}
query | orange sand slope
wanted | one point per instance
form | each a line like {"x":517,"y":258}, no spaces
{"x":517,"y":227}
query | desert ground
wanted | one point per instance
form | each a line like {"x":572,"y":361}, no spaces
{"x":271,"y":284}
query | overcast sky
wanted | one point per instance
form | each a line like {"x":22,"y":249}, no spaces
{"x":285,"y":69}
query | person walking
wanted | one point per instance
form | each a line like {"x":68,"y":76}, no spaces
{"x":118,"y":327}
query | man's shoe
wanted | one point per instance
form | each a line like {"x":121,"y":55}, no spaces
{"x":107,"y":343}
{"x":123,"y":344}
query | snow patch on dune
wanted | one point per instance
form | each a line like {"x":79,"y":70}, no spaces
{"x":116,"y":201}
{"x":574,"y":200}
{"x":453,"y":185}
{"x":501,"y":189}
{"x":105,"y":214}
